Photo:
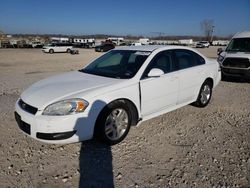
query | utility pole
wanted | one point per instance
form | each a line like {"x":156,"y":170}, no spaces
{"x":212,"y":34}
{"x":160,"y":34}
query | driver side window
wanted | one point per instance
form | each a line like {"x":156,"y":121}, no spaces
{"x":163,"y":61}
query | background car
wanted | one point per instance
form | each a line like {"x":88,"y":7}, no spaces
{"x":235,"y":59}
{"x":104,"y":47}
{"x":136,"y":44}
{"x":202,"y":44}
{"x":37,"y":44}
{"x":57,"y":47}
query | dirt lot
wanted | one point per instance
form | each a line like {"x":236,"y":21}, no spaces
{"x":189,"y":147}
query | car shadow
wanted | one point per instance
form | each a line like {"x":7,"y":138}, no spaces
{"x":96,"y":169}
{"x":95,"y":160}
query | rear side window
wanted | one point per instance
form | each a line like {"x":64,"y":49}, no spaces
{"x":186,"y":59}
{"x":199,"y":60}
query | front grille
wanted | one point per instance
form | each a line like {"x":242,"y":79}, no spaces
{"x":236,"y":62}
{"x":25,"y":127}
{"x":26,"y":107}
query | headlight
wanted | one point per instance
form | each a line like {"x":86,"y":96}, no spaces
{"x":66,"y":107}
{"x":220,"y":59}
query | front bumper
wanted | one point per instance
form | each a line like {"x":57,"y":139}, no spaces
{"x":236,"y":72}
{"x":55,"y":129}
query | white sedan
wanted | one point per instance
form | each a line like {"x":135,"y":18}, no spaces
{"x":120,"y":89}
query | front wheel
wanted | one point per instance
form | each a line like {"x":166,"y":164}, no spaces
{"x":114,"y":123}
{"x":68,"y":50}
{"x":205,"y":94}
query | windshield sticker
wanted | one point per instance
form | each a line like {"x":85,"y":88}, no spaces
{"x":142,"y":53}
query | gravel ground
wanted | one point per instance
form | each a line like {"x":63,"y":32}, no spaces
{"x":189,"y":147}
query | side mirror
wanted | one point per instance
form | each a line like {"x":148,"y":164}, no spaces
{"x":155,"y":72}
{"x":219,"y":50}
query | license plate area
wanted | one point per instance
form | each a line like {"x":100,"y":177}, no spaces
{"x":21,"y":124}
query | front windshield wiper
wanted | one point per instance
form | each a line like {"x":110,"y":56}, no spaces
{"x":100,"y":74}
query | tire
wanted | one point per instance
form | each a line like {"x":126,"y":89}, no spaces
{"x":51,"y":51}
{"x":113,"y":123}
{"x":68,"y":50}
{"x":205,"y":94}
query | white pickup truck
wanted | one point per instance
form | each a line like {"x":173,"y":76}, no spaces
{"x":235,"y":59}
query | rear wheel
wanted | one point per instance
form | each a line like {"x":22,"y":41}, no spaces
{"x":113,"y":123}
{"x":205,"y":94}
{"x":68,"y":50}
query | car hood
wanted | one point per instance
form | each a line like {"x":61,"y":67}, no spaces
{"x":236,"y":54}
{"x":62,"y":86}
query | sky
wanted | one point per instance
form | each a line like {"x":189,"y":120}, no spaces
{"x":123,"y":17}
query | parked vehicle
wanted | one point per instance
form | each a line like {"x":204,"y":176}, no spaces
{"x":57,"y":47}
{"x":186,"y":42}
{"x":120,"y":89}
{"x":74,"y":51}
{"x":83,"y":43}
{"x":136,"y":44}
{"x":235,"y":59}
{"x":144,"y":41}
{"x":116,"y":40}
{"x":104,"y":47}
{"x":202,"y":44}
{"x":220,"y":42}
{"x":36,"y":44}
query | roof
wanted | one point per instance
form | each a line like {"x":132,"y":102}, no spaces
{"x":245,"y":34}
{"x":151,"y":48}
{"x":148,"y":48}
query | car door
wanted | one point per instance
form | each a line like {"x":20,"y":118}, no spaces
{"x":159,"y":93}
{"x":63,"y":47}
{"x":57,"y":47}
{"x":191,"y":74}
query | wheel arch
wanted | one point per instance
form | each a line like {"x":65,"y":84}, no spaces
{"x":209,"y":79}
{"x":135,"y":112}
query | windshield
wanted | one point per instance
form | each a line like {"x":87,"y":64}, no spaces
{"x":239,"y":45}
{"x":117,"y":64}
{"x":50,"y":44}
